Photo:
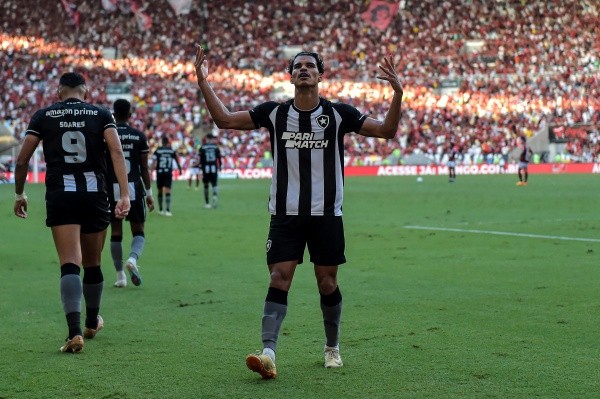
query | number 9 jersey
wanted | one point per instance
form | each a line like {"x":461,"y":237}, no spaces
{"x":72,"y":134}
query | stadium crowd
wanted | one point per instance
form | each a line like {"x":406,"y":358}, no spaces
{"x":513,"y":67}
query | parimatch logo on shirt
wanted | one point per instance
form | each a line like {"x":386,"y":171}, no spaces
{"x":300,"y":140}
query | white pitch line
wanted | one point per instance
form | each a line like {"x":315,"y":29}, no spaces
{"x":503,"y":233}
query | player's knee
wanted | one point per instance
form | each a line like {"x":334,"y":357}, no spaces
{"x":327,"y":284}
{"x":280,"y":280}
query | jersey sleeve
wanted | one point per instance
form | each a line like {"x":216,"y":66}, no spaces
{"x":35,"y":126}
{"x":352,"y":119}
{"x":144,"y":147}
{"x":108,"y":120}
{"x":260,"y":114}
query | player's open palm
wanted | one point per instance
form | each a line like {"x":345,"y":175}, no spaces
{"x":388,"y":72}
{"x":201,"y":64}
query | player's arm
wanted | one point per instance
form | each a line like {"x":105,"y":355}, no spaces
{"x":176,"y":157}
{"x":145,"y":175}
{"x":21,"y":169}
{"x":113,"y":143}
{"x":153,"y":162}
{"x":387,"y":128}
{"x":224,"y":119}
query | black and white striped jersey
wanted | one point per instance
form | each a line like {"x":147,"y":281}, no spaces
{"x":210,"y":158}
{"x":72,"y":134}
{"x":163,"y":157}
{"x":308,"y":151}
{"x":134,"y":144}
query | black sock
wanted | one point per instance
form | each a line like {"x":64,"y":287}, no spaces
{"x":93,"y":283}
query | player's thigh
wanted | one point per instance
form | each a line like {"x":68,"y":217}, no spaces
{"x":91,"y":248}
{"x":66,"y":240}
{"x":326,"y":242}
{"x":286,"y":240}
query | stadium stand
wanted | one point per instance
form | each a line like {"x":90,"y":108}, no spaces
{"x":476,"y":73}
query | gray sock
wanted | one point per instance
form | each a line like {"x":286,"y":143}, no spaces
{"x":273,"y":315}
{"x":168,"y":202}
{"x":116,"y":251}
{"x":137,"y":246}
{"x":331,"y":321}
{"x":70,"y":293}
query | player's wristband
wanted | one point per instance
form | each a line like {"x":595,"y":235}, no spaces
{"x":19,"y":197}
{"x":149,"y":192}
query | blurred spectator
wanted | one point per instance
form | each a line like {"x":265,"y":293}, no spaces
{"x":517,"y":66}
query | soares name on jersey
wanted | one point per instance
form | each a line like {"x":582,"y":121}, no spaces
{"x":73,"y":124}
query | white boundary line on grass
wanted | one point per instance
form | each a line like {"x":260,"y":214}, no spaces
{"x":503,"y":233}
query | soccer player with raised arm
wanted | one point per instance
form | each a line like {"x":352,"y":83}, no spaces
{"x":305,"y":198}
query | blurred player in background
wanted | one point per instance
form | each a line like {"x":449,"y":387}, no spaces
{"x":524,"y":158}
{"x":452,"y":155}
{"x":194,"y":169}
{"x":210,"y":163}
{"x":74,"y":136}
{"x":305,"y":200}
{"x":163,"y":159}
{"x":135,"y":149}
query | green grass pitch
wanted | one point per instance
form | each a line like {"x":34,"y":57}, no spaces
{"x":492,"y":293}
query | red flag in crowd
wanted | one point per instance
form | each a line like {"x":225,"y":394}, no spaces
{"x":380,"y":14}
{"x":143,"y":20}
{"x":71,"y":10}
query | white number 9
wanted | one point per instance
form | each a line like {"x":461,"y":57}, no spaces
{"x":73,"y":142}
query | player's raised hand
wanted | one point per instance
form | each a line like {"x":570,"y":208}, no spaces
{"x":389,"y":73}
{"x":201,"y":64}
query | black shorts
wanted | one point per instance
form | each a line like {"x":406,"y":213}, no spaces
{"x":137,"y":212}
{"x":209,"y":178}
{"x":164,"y":180}
{"x":289,"y":235}
{"x":89,"y":210}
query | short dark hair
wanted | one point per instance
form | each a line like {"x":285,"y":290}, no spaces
{"x":316,"y":56}
{"x":165,"y":140}
{"x":122,"y":108}
{"x":71,"y":79}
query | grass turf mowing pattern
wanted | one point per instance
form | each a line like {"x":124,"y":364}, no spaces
{"x":427,"y":314}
